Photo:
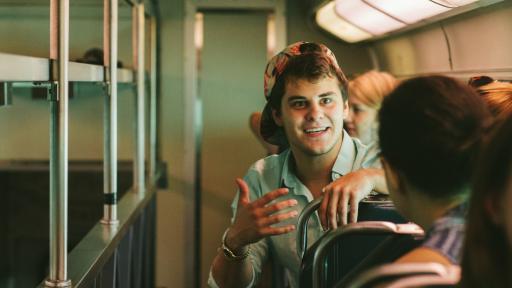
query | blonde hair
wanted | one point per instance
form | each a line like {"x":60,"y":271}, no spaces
{"x":498,"y":96}
{"x":371,"y":87}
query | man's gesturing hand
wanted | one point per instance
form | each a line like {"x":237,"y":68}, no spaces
{"x":254,"y":220}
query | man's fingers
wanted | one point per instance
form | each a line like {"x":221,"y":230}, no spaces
{"x":276,"y":218}
{"x":264,"y":200}
{"x":343,"y":208}
{"x":354,"y":205}
{"x":270,"y":231}
{"x":270,"y":209}
{"x":333,"y":209}
{"x":243,"y":198}
{"x":322,"y":210}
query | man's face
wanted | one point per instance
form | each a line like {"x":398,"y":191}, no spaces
{"x":312,"y":116}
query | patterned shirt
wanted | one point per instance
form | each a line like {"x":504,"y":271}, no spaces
{"x":447,"y":234}
{"x":276,"y":171}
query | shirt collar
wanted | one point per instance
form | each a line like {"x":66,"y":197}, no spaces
{"x":345,"y":162}
{"x":343,"y":165}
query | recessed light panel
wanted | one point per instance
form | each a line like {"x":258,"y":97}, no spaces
{"x":366,"y":17}
{"x":327,"y":19}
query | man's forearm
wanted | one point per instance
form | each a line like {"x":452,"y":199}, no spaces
{"x":378,"y":179}
{"x":231,"y":273}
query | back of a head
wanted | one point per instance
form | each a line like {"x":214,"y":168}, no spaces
{"x":371,"y":87}
{"x":430,"y":130}
{"x":498,"y":96}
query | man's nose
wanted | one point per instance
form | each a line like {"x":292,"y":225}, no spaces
{"x":315,"y":112}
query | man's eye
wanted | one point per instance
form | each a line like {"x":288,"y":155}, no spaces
{"x":298,"y":104}
{"x":326,"y":100}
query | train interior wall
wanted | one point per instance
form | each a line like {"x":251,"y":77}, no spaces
{"x":227,"y":145}
{"x":473,"y":42}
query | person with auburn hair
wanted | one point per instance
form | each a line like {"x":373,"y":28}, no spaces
{"x":498,"y":96}
{"x":430,"y":129}
{"x":487,"y":255}
{"x":365,"y":95}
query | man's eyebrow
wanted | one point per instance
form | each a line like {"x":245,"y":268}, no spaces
{"x":297,"y":97}
{"x":293,"y":98}
{"x":326,"y":94}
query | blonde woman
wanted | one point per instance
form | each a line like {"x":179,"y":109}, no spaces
{"x":366,"y":93}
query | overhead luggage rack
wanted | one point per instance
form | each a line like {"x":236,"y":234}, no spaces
{"x":19,"y":68}
{"x":120,"y":235}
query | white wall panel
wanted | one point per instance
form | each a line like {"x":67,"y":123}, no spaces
{"x":230,"y":88}
{"x":478,"y":42}
{"x":421,"y":52}
{"x":482,"y":42}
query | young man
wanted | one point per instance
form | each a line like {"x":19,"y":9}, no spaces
{"x":306,"y":103}
{"x":431,"y":129}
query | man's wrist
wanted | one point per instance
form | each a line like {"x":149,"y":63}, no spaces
{"x":233,"y":253}
{"x":231,"y":242}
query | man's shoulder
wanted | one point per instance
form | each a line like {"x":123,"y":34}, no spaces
{"x":368,"y":155}
{"x":266,"y":174}
{"x":270,"y":163}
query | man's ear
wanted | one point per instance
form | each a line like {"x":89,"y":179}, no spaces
{"x":277,"y":118}
{"x":346,"y":110}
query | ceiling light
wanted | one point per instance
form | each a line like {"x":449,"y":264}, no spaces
{"x":366,"y":17}
{"x":328,"y":20}
{"x":408,"y":11}
{"x":356,"y":20}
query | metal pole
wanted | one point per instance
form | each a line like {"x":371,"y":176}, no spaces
{"x":138,"y":57}
{"x":5,"y":94}
{"x":153,"y":117}
{"x":110,"y":113}
{"x":59,"y":32}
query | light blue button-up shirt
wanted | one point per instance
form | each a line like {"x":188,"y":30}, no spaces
{"x":276,"y":171}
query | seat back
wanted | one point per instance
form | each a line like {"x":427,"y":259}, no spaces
{"x":401,"y":275}
{"x":302,"y":225}
{"x":355,"y":247}
{"x":340,"y":251}
{"x":374,"y":208}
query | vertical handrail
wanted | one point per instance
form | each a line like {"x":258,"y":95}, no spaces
{"x":5,"y":94}
{"x":153,"y":144}
{"x":138,"y":60}
{"x":110,"y":113}
{"x":59,"y":43}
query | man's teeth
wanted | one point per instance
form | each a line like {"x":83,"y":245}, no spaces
{"x":315,"y":130}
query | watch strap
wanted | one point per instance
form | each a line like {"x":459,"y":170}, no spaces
{"x":229,"y":254}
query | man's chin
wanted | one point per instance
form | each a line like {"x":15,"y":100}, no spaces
{"x":318,"y":151}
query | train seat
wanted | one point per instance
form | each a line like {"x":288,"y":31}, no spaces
{"x":355,"y":246}
{"x":401,"y":275}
